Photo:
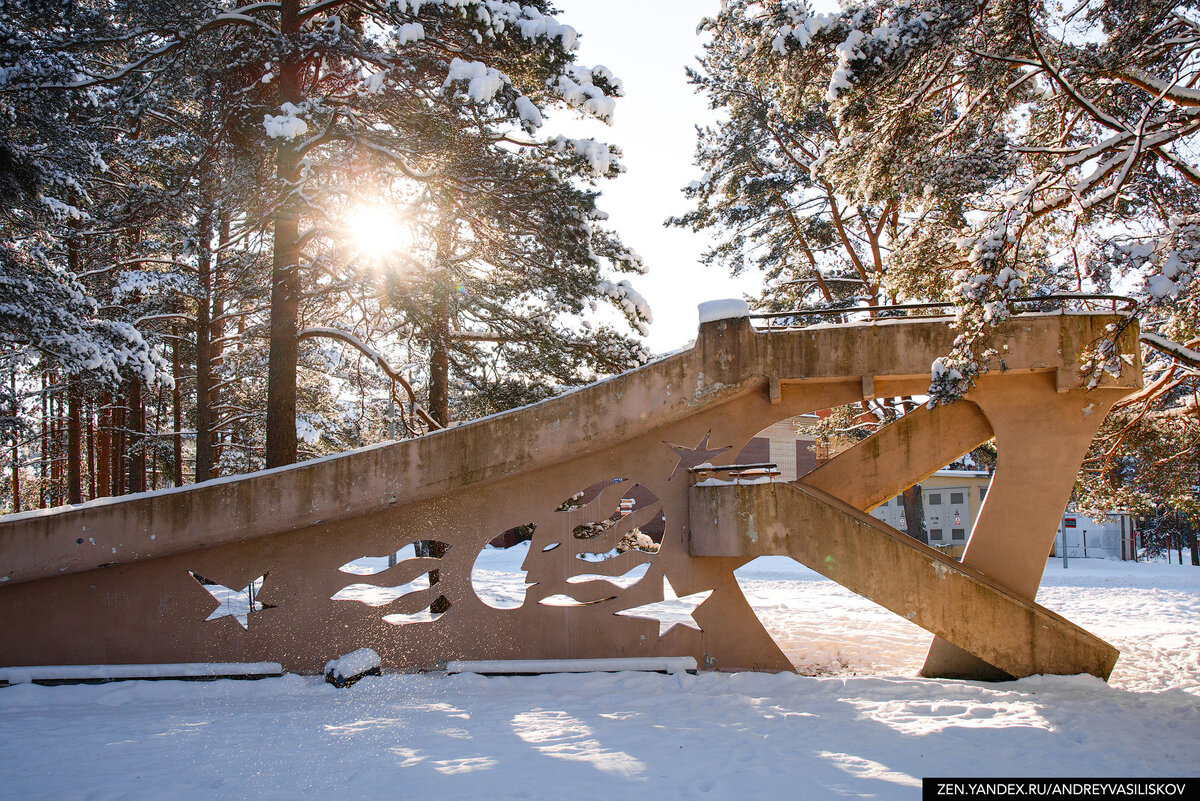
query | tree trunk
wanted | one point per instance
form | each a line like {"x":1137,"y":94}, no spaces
{"x":74,"y":441}
{"x":177,"y":414}
{"x":217,"y":333}
{"x":44,"y":465}
{"x":159,"y":405}
{"x":439,"y":399}
{"x":56,"y":443}
{"x":439,"y":328}
{"x":439,"y":363}
{"x":104,"y":448}
{"x":137,"y":433}
{"x":16,"y":446}
{"x":914,"y":513}
{"x":436,"y":550}
{"x":74,"y":486}
{"x":90,"y":450}
{"x":237,"y":437}
{"x":204,"y":415}
{"x":117,"y":453}
{"x":285,"y":275}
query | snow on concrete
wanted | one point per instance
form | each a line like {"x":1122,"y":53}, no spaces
{"x":737,"y":481}
{"x":861,"y":725}
{"x":97,"y":673}
{"x":355,"y":663}
{"x":661,"y":664}
{"x":713,"y":310}
{"x":30,"y":514}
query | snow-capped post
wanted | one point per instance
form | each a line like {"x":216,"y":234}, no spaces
{"x":712,"y":311}
{"x":724,"y":330}
{"x":348,"y":669}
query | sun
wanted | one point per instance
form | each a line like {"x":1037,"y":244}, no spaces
{"x":377,"y":232}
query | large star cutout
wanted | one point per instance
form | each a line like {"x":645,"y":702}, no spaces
{"x":671,"y":611}
{"x":237,"y":604}
{"x":690,"y":457}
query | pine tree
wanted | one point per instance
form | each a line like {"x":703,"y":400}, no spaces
{"x":1051,"y":142}
{"x":338,"y":82}
{"x":185,"y":173}
{"x":770,"y":189}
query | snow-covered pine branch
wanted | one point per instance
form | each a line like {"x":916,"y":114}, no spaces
{"x":1180,"y":353}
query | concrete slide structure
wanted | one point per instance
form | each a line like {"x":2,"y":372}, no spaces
{"x":270,"y":566}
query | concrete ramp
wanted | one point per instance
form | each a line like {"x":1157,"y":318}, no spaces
{"x":957,"y":603}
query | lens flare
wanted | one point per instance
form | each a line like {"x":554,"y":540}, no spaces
{"x":377,"y":232}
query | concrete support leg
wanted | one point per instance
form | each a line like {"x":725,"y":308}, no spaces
{"x":892,"y":569}
{"x":899,"y":455}
{"x":1042,"y":436}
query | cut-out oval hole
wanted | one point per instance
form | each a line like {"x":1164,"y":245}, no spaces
{"x":586,"y":495}
{"x":498,"y":575}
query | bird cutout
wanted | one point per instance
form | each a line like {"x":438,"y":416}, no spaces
{"x":673,"y":610}
{"x":238,"y":604}
{"x":567,"y":600}
{"x":624,"y":581}
{"x":606,"y":552}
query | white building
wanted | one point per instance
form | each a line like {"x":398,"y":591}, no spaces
{"x":1086,"y":538}
{"x":952,"y":499}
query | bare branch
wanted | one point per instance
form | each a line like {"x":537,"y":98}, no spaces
{"x":375,"y":356}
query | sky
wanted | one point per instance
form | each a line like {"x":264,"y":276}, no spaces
{"x":647,"y":44}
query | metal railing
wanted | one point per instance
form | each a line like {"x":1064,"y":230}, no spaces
{"x":1060,"y":302}
{"x":735,"y":472}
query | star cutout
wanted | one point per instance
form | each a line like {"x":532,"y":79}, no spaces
{"x":237,"y":604}
{"x":671,"y":611}
{"x":690,"y":457}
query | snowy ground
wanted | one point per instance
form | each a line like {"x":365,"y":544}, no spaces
{"x":858,"y":725}
{"x":1150,"y":612}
